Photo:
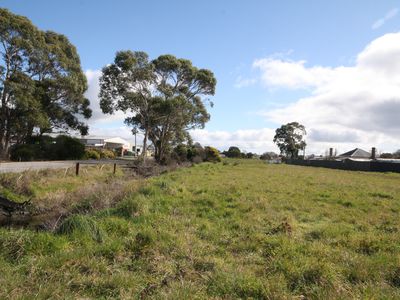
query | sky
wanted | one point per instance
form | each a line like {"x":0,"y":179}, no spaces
{"x":333,"y":66}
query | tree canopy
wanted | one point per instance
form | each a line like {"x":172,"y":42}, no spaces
{"x":233,"y":151}
{"x":165,"y":96}
{"x":41,"y":82}
{"x":269,"y":155}
{"x":289,"y":139}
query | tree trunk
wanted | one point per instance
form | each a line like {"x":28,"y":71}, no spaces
{"x":156,"y":151}
{"x":4,"y":147}
{"x":144,"y":150}
{"x":158,"y":148}
{"x":5,"y":115}
{"x":3,"y":130}
{"x":162,"y":141}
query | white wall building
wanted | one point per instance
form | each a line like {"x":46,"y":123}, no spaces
{"x":105,"y":142}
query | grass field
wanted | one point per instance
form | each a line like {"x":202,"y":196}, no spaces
{"x":238,"y":229}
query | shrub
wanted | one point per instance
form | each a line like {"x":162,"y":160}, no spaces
{"x":268,"y":156}
{"x":97,"y":153}
{"x":129,"y":153}
{"x":196,"y":153}
{"x":197,"y":159}
{"x":68,"y":148}
{"x":181,"y":152}
{"x":24,"y":153}
{"x":92,"y":154}
{"x":108,"y":154}
{"x":212,"y":154}
{"x":42,"y":147}
{"x":118,"y":151}
{"x":48,"y":148}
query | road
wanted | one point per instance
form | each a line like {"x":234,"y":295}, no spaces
{"x":17,"y":167}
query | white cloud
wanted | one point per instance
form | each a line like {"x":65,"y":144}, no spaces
{"x":389,"y":15}
{"x":92,"y":94}
{"x":291,"y":74}
{"x":244,"y":82}
{"x":347,"y":106}
{"x":250,"y":140}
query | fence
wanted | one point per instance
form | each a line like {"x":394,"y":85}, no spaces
{"x":352,"y":165}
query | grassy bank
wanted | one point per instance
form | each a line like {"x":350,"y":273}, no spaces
{"x":229,"y":230}
{"x":55,"y":194}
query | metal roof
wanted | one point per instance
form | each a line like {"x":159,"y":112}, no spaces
{"x":116,"y":140}
{"x":356,"y":153}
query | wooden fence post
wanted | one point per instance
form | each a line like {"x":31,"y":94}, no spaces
{"x":77,"y":169}
{"x":115,"y":168}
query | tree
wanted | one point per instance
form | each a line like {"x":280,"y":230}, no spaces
{"x":233,"y":152}
{"x":289,"y":139}
{"x":165,"y":96}
{"x":386,"y":155}
{"x":268,"y":156}
{"x":41,"y":82}
{"x":249,"y":155}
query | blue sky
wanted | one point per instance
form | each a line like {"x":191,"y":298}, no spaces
{"x":229,"y":37}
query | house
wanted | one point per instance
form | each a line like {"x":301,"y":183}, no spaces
{"x":357,"y":153}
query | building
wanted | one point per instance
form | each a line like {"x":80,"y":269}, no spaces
{"x":356,"y":153}
{"x":111,"y":143}
{"x":106,"y":142}
{"x":150,"y":150}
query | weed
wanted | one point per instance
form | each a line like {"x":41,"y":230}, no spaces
{"x":14,"y":247}
{"x":203,"y":266}
{"x":131,"y":207}
{"x":284,"y":228}
{"x":368,"y":246}
{"x":81,"y":225}
{"x":394,"y":277}
{"x":381,"y":195}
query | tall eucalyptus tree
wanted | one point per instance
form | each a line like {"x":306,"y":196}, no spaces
{"x":41,"y":82}
{"x":164,"y":97}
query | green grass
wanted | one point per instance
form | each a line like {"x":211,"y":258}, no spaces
{"x":238,"y":229}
